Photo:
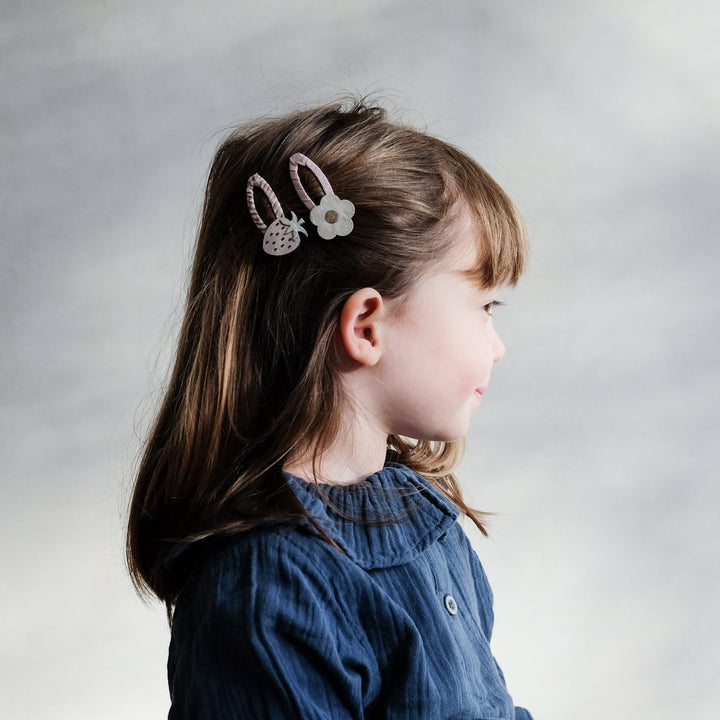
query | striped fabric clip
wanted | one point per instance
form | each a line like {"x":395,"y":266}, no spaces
{"x":282,"y":236}
{"x":333,"y":216}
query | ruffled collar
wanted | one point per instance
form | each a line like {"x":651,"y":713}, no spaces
{"x":386,"y":520}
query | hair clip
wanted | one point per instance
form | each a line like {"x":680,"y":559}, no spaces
{"x":283,"y":234}
{"x":332,"y":216}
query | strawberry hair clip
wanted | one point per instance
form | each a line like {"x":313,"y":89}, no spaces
{"x":282,"y":236}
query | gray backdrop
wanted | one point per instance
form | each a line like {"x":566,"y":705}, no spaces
{"x":597,"y":445}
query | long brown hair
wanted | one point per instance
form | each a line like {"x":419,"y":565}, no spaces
{"x":256,"y":376}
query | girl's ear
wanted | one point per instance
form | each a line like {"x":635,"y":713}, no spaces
{"x":359,"y":327}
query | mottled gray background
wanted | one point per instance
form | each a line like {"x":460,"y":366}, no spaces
{"x":597,"y":445}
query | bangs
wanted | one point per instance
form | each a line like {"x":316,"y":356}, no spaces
{"x":500,"y":231}
{"x":503,"y":248}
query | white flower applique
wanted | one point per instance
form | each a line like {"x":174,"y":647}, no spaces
{"x":332,"y":217}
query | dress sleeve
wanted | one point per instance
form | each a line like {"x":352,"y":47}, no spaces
{"x":263,"y":635}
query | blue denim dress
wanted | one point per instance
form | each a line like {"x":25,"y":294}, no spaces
{"x":278,"y":623}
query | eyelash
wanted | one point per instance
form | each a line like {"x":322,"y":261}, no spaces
{"x":494,"y":304}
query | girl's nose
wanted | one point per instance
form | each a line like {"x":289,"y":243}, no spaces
{"x":498,"y":346}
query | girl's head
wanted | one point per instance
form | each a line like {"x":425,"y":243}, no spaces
{"x":258,"y":376}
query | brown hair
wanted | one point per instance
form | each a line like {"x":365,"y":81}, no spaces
{"x":256,"y":375}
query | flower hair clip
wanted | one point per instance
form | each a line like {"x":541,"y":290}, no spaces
{"x":283,"y":234}
{"x":332,"y":216}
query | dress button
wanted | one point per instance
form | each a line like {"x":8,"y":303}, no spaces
{"x":450,"y":604}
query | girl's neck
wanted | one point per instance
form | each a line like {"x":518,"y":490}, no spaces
{"x":358,"y":450}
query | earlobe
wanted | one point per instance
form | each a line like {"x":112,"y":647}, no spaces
{"x":359,"y":326}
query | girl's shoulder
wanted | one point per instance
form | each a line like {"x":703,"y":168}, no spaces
{"x":256,"y":607}
{"x":246,"y":587}
{"x":247,"y":568}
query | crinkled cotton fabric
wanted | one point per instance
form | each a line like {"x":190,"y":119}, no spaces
{"x":395,"y":622}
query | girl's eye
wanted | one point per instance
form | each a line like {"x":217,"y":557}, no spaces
{"x":489,"y":307}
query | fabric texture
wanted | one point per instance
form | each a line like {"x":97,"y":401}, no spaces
{"x":396,"y":623}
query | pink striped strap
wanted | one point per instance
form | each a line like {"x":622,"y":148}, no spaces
{"x":299,"y":159}
{"x":256,"y":181}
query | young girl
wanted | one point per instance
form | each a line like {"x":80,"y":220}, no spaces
{"x":296,"y":507}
